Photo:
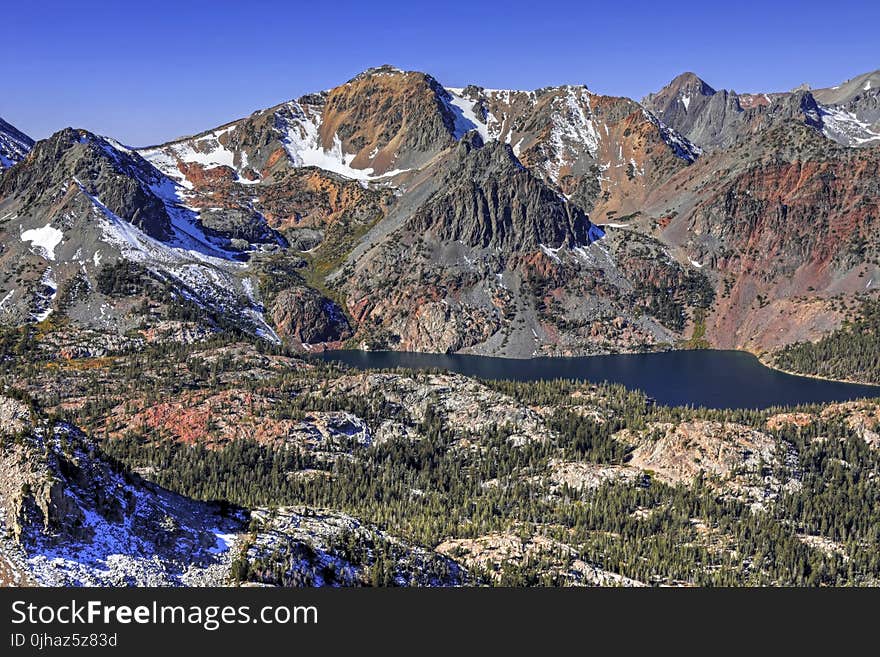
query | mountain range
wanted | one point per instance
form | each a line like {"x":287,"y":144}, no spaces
{"x":161,"y":425}
{"x":392,"y":212}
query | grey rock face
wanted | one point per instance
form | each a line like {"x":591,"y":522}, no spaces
{"x":235,"y":224}
{"x":487,"y":199}
{"x":858,"y":87}
{"x":122,"y":180}
{"x":848,"y":113}
{"x":692,"y":107}
{"x":799,"y":105}
{"x":709,"y":118}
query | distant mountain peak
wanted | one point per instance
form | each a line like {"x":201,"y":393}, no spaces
{"x":689,"y":81}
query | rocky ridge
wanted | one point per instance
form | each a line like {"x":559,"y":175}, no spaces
{"x":393,"y":212}
{"x":70,"y":518}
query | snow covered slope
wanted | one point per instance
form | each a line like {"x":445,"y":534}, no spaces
{"x":84,"y":212}
{"x":68,"y":517}
{"x":14,"y":144}
{"x":374,"y":127}
{"x":845,"y":127}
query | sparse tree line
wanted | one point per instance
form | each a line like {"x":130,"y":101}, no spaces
{"x":852,"y":352}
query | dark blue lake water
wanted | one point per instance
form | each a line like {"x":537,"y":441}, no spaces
{"x":714,"y":379}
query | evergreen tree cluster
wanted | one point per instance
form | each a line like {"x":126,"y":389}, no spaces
{"x":851,"y":353}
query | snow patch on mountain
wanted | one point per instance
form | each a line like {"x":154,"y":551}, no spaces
{"x":846,"y":128}
{"x":502,"y":125}
{"x":6,"y":298}
{"x":302,"y":140}
{"x":170,"y":190}
{"x":680,"y":145}
{"x":46,"y":239}
{"x":572,"y":129}
{"x":550,"y":252}
{"x":206,"y":150}
{"x":298,"y":128}
{"x":466,"y":118}
{"x":45,"y":296}
{"x":199,"y":272}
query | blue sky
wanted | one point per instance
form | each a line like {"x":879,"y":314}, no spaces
{"x":149,"y":71}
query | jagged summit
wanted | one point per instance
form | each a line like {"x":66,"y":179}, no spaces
{"x":685,"y":103}
{"x":125,"y":182}
{"x":489,"y":200}
{"x":382,"y":69}
{"x":685,"y":85}
{"x":848,"y":113}
{"x":689,"y":81}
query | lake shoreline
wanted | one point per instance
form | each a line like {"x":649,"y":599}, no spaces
{"x":762,"y":358}
{"x":819,"y":377}
{"x":709,"y":378}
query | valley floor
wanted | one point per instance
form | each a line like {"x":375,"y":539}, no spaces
{"x":263,"y":468}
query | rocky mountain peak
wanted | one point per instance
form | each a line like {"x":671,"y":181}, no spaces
{"x":689,"y":81}
{"x":382,"y":69}
{"x":487,"y":199}
{"x":119,"y":178}
{"x":806,"y":104}
{"x":696,"y":110}
{"x":687,"y":85}
{"x":386,"y":119}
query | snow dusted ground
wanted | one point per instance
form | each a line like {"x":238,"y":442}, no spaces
{"x":203,"y":269}
{"x":113,"y":531}
{"x":846,"y":128}
{"x":312,"y":547}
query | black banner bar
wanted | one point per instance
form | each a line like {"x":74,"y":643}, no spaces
{"x":121,"y":621}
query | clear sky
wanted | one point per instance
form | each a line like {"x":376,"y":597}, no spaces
{"x":147,"y":71}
